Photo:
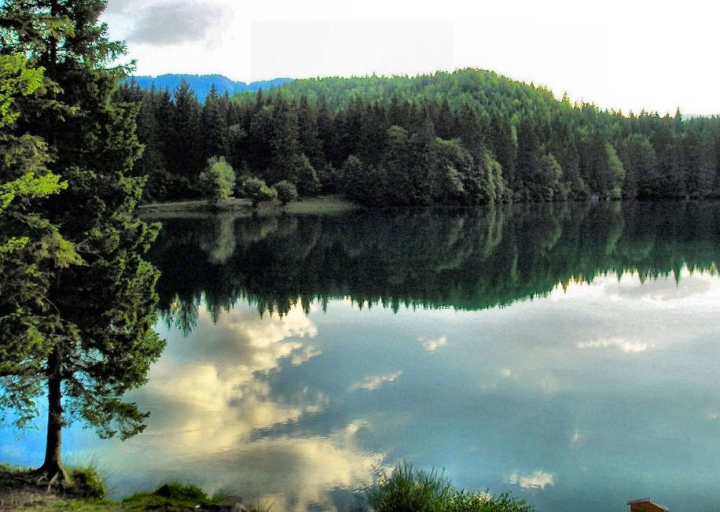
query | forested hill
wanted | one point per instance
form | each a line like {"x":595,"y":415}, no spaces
{"x":461,"y":138}
{"x":201,"y":84}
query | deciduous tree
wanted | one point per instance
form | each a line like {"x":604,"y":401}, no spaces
{"x":217,"y":180}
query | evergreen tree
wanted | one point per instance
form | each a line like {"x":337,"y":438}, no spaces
{"x":503,"y":144}
{"x":289,"y":135}
{"x":617,"y":171}
{"x":423,"y":164}
{"x":89,"y":339}
{"x":396,"y":165}
{"x":528,"y":161}
{"x":31,"y":247}
{"x":184,"y":148}
{"x":308,"y":136}
{"x":697,"y":163}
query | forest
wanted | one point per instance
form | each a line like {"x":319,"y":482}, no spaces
{"x":468,"y":137}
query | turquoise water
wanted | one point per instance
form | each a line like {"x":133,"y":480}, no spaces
{"x":567,"y":355}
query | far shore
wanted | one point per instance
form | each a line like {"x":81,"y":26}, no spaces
{"x":243,"y":207}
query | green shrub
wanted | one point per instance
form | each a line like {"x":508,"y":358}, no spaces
{"x":258,"y":191}
{"x":86,"y":483}
{"x":286,"y":192}
{"x":408,"y":489}
{"x":217,"y":180}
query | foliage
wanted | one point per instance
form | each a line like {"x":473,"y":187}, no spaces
{"x":286,"y":192}
{"x":85,"y":494}
{"x":218,"y":180}
{"x":403,"y":131}
{"x":408,"y":489}
{"x":78,"y":324}
{"x":25,"y":493}
{"x":86,"y":483}
{"x":258,"y":191}
{"x":174,"y":496}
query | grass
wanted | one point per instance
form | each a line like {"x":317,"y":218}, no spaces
{"x":325,"y":205}
{"x":171,"y":495}
{"x":321,"y":204}
{"x":405,"y":489}
{"x":20,"y":491}
{"x":408,"y":489}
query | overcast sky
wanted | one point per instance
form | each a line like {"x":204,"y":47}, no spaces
{"x":620,"y":54}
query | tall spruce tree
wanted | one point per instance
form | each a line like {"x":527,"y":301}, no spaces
{"x":85,"y":337}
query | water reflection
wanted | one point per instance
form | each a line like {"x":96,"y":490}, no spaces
{"x":568,"y":355}
{"x":460,"y":259}
{"x":219,"y":420}
{"x":596,"y":393}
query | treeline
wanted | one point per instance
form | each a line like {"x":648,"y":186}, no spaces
{"x":462,"y":138}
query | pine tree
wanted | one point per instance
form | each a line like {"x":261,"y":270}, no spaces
{"x":88,"y":338}
{"x":184,"y":148}
{"x":213,"y":125}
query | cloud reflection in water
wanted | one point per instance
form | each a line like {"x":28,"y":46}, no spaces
{"x":211,"y":394}
{"x":289,"y":408}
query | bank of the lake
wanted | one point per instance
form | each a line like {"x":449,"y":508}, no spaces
{"x":20,"y":490}
{"x":331,"y":204}
{"x":405,"y":488}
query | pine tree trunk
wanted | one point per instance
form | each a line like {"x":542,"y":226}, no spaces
{"x":52,"y":468}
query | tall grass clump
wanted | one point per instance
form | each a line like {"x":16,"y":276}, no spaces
{"x":408,"y":489}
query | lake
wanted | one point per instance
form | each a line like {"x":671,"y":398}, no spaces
{"x":566,"y":353}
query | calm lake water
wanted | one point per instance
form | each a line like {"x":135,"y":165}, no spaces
{"x":568,"y":354}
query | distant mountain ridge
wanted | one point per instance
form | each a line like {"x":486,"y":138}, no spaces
{"x":200,"y":84}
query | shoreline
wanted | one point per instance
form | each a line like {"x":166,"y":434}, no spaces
{"x":320,"y":205}
{"x":21,"y":490}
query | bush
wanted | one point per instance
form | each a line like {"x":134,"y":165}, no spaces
{"x":411,"y":490}
{"x":217,"y":180}
{"x":258,"y":191}
{"x":86,"y":483}
{"x":286,"y":192}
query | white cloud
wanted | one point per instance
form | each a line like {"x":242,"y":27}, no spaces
{"x":212,"y":402}
{"x":169,"y":23}
{"x":372,"y":382}
{"x":624,"y":345}
{"x":538,"y":480}
{"x":433,"y":344}
{"x":211,"y":386}
{"x":616,"y":54}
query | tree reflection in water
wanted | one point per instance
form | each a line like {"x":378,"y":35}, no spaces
{"x":462,"y":259}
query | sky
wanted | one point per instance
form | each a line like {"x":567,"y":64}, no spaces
{"x":625,"y":55}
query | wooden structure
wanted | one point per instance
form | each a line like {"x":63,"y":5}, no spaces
{"x":646,"y":506}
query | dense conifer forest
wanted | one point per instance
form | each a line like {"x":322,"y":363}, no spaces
{"x":463,"y":138}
